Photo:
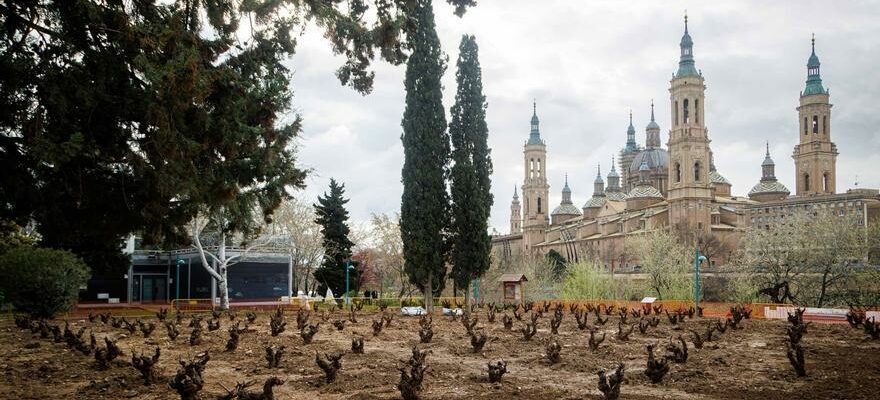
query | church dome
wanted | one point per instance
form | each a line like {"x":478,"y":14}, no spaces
{"x":769,"y":187}
{"x":566,"y":209}
{"x":615,"y":196}
{"x":717,"y":178}
{"x":644,"y":192}
{"x":655,"y":158}
{"x":595,"y":202}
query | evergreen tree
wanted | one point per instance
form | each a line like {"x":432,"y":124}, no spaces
{"x":425,"y":203}
{"x":472,"y":166}
{"x":557,"y":261}
{"x":333,"y":217}
{"x":135,"y":116}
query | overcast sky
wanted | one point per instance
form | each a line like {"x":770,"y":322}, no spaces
{"x":587,"y":64}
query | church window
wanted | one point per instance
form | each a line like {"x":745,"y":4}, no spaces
{"x":825,"y":185}
{"x":532,"y":168}
{"x":806,"y":182}
{"x":697,"y":171}
{"x":676,"y":112}
{"x":805,"y":125}
{"x":824,"y":124}
{"x":677,"y":172}
{"x":539,"y":205}
{"x":696,"y":111}
{"x":685,"y":109}
{"x":815,"y":124}
{"x":538,"y":173}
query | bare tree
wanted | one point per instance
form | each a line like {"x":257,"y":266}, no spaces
{"x":385,"y":235}
{"x":295,"y":228}
{"x":806,"y":257}
{"x":222,"y":257}
{"x":666,"y":262}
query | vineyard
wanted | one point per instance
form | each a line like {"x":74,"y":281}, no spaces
{"x":538,"y":351}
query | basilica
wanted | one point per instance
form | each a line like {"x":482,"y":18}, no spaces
{"x":678,"y":187}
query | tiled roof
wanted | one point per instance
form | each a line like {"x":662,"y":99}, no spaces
{"x":768,"y":187}
{"x":566,"y":209}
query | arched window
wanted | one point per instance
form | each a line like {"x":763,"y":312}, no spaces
{"x":696,"y":111}
{"x":526,"y":200}
{"x":539,"y":205}
{"x":538,"y":172}
{"x":532,"y":168}
{"x":806,"y":182}
{"x":824,"y":124}
{"x":697,"y":171}
{"x":676,"y":112}
{"x":825,"y":185}
{"x":686,"y":114}
{"x":677,"y":172}
{"x":805,"y":126}
{"x":815,"y":124}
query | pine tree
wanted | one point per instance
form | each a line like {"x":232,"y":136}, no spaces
{"x":471,"y":186}
{"x":119,"y":117}
{"x":425,"y":203}
{"x":333,"y":217}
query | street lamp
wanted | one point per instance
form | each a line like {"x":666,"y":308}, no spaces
{"x":177,"y":262}
{"x":697,"y":260}
{"x":348,"y":267}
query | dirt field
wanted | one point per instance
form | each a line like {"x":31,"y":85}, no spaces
{"x":842,"y":363}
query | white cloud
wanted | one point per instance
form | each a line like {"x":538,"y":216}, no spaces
{"x":587,"y":64}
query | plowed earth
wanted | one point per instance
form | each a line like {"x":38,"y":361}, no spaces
{"x":749,"y":363}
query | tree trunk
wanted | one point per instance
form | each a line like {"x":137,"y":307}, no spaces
{"x":223,"y":289}
{"x":429,"y":295}
{"x":467,"y":299}
{"x":824,"y":287}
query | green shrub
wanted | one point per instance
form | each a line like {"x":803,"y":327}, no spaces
{"x":586,"y":280}
{"x":41,"y":282}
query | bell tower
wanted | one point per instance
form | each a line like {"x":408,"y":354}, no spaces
{"x":515,"y":217}
{"x":535,"y":188}
{"x":690,"y":193}
{"x":815,"y":155}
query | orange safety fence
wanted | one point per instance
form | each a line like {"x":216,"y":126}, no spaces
{"x":710,"y":309}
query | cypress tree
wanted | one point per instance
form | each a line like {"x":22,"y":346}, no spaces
{"x":425,"y":202}
{"x":472,"y":166}
{"x":333,"y":217}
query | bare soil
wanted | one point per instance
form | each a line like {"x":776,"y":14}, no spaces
{"x":750,"y":363}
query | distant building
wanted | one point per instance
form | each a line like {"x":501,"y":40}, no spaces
{"x":678,"y":187}
{"x":159,"y":276}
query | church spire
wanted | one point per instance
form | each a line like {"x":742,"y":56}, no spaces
{"x":515,"y":194}
{"x":768,"y":167}
{"x":652,"y":131}
{"x":535,"y":134}
{"x":814,"y":79}
{"x":686,"y":62}
{"x":598,"y":183}
{"x":631,"y":145}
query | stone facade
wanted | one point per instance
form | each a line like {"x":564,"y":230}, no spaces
{"x":678,"y":187}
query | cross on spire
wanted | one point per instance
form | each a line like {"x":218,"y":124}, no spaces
{"x":685,"y":21}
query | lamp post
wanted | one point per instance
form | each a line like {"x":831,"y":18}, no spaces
{"x":697,"y":259}
{"x":177,"y":262}
{"x":348,"y":267}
